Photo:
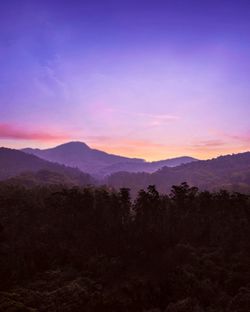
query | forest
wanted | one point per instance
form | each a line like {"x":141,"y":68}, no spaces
{"x":95,"y":249}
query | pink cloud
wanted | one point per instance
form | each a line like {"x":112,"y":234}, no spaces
{"x":243,"y":138}
{"x":224,"y":143}
{"x":8,"y":131}
{"x":152,"y":119}
{"x":209,"y":144}
{"x":117,"y":141}
{"x":240,"y":137}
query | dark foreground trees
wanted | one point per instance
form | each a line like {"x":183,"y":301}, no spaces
{"x":92,"y":249}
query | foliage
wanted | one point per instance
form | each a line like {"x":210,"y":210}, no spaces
{"x":231,"y":172}
{"x":22,"y":168}
{"x":93,"y":249}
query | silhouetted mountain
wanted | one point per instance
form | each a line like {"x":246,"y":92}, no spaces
{"x":77,"y":154}
{"x":14,"y":162}
{"x":149,"y":167}
{"x":230,"y":172}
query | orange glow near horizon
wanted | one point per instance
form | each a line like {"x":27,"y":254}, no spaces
{"x":136,"y":148}
{"x":148,"y":149}
{"x":135,"y":79}
{"x":154,"y":154}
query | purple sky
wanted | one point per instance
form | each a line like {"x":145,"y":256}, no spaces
{"x":151,"y":79}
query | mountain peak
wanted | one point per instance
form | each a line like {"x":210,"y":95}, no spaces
{"x":93,"y":161}
{"x":76,"y":144}
{"x":72,"y":147}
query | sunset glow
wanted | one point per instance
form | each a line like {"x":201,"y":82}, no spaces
{"x":143,"y":79}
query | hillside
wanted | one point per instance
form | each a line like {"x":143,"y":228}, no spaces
{"x":145,"y":166}
{"x":16,"y":163}
{"x":45,"y":177}
{"x":99,"y":163}
{"x":78,"y":154}
{"x":231,"y":172}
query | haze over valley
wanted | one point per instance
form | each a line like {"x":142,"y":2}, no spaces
{"x":96,"y":162}
{"x":75,"y":163}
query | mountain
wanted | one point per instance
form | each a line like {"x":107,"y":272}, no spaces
{"x":99,"y":163}
{"x":230,"y":172}
{"x":149,"y":167}
{"x":17,"y":163}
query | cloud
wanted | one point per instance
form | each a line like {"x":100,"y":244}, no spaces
{"x":8,"y":131}
{"x":146,"y":119}
{"x":124,"y":141}
{"x":223,"y":144}
{"x":242,"y":138}
{"x":156,"y":119}
{"x":209,"y":144}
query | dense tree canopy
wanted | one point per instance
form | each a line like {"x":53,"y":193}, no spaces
{"x":94,"y":249}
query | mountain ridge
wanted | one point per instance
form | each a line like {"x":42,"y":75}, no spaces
{"x":14,"y":163}
{"x":230,"y":172}
{"x":99,"y":163}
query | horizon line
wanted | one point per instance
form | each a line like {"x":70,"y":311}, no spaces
{"x":122,"y":155}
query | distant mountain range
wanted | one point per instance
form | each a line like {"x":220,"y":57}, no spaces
{"x":230,"y":172}
{"x":29,"y":169}
{"x":99,"y":163}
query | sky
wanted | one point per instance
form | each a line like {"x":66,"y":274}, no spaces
{"x":149,"y":79}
